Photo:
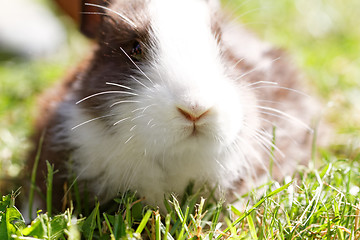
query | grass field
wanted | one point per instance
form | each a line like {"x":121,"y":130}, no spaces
{"x":324,"y":202}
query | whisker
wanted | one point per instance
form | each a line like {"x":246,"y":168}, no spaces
{"x":151,"y":105}
{"x":119,"y":85}
{"x":265,"y":133}
{"x":268,"y":152}
{"x":150,"y":121}
{"x":261,"y":144}
{"x":269,"y":142}
{"x":131,"y":175}
{"x":269,"y":101}
{"x":129,"y":139}
{"x":94,"y":13}
{"x":127,"y":178}
{"x":247,"y":12}
{"x":257,"y":158}
{"x":158,"y":72}
{"x":127,"y":20}
{"x":262,"y":82}
{"x":255,"y":68}
{"x":106,"y":92}
{"x":284,"y":114}
{"x":131,"y":129}
{"x":236,"y":8}
{"x":136,"y":65}
{"x":124,"y":101}
{"x":137,"y":117}
{"x":256,"y":23}
{"x":143,"y":108}
{"x":237,"y":62}
{"x":289,"y":89}
{"x":124,"y":119}
{"x":139,"y":82}
{"x":93,"y":119}
{"x":276,"y":126}
{"x":138,"y":109}
{"x":246,"y":161}
{"x":220,"y":164}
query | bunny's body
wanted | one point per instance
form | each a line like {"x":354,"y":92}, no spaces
{"x":173,"y":93}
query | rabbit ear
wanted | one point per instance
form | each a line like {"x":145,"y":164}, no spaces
{"x":85,"y":14}
{"x":71,"y":8}
{"x":91,"y":16}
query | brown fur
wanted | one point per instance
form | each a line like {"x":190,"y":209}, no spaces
{"x":47,"y":117}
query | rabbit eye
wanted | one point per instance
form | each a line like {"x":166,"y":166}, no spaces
{"x":136,"y":52}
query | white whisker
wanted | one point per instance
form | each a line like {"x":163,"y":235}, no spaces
{"x":262,"y":82}
{"x":93,"y":119}
{"x":124,"y":119}
{"x":279,"y":87}
{"x":158,"y":72}
{"x":95,"y":13}
{"x":269,"y":142}
{"x":138,"y":109}
{"x":124,"y":18}
{"x":247,"y":12}
{"x":151,"y":105}
{"x":262,"y":144}
{"x":129,"y":139}
{"x":137,"y":117}
{"x":107,"y":92}
{"x":237,"y":62}
{"x":269,"y":101}
{"x":264,"y":132}
{"x":143,"y":108}
{"x":234,"y":9}
{"x":136,"y":65}
{"x":119,"y":85}
{"x":257,"y":158}
{"x":220,"y":165}
{"x":254,"y":69}
{"x":139,"y":82}
{"x":286,"y":115}
{"x":150,"y":121}
{"x":124,"y":101}
{"x":131,"y":129}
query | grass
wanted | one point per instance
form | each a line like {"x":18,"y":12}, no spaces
{"x":322,"y":202}
{"x":319,"y":204}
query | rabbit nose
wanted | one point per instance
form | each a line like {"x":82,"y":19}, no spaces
{"x":193,"y":114}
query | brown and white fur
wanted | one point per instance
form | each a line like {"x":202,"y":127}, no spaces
{"x":173,"y":93}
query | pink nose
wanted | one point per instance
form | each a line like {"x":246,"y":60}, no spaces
{"x":192,"y":115}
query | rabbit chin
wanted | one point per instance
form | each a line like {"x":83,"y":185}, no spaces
{"x":147,"y":160}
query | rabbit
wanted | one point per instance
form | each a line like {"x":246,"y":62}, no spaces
{"x":172,"y":92}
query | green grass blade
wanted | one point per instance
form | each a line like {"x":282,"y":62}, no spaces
{"x":215,"y":220}
{"x":167,"y":226}
{"x":90,"y":223}
{"x":143,"y":222}
{"x":49,"y":185}
{"x":33,"y":174}
{"x":252,"y":227}
{"x":237,"y":221}
{"x":157,"y":226}
{"x":112,"y":236}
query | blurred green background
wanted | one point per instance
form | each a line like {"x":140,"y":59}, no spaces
{"x":323,"y":37}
